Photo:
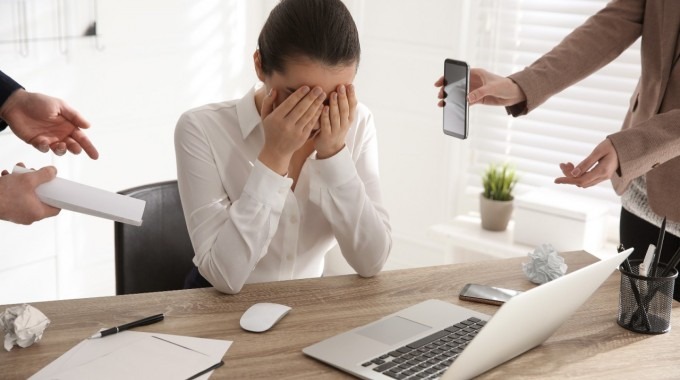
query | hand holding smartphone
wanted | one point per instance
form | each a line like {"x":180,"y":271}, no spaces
{"x":456,"y":88}
{"x":487,"y":294}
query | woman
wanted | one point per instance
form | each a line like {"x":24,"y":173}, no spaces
{"x":642,"y":160}
{"x":271,"y":181}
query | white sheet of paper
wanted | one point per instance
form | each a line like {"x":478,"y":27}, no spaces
{"x":97,"y":358}
{"x":89,"y":200}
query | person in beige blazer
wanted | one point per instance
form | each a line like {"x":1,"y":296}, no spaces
{"x":642,"y":159}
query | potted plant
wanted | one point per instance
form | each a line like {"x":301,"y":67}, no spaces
{"x":495,"y":203}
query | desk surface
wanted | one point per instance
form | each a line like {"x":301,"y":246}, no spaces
{"x":589,"y":345}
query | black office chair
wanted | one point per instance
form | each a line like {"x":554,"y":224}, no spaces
{"x":157,"y":255}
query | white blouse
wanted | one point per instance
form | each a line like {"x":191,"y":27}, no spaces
{"x":245,"y":222}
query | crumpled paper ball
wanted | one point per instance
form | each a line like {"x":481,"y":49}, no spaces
{"x":544,"y":265}
{"x":23,"y":325}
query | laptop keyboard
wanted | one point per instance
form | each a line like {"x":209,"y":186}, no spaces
{"x":428,"y":357}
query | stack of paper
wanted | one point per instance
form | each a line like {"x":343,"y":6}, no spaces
{"x":84,"y":199}
{"x":137,"y":355}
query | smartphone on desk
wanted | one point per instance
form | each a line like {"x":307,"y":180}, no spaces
{"x":487,"y":294}
{"x":456,"y":87}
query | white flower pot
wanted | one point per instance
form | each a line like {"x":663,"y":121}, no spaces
{"x":495,"y":214}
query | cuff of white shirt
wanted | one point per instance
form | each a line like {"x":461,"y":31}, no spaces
{"x":336,"y":170}
{"x":268,"y":187}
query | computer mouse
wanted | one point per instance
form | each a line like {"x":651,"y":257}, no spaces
{"x":262,"y":316}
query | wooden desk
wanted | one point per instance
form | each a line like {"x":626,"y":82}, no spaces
{"x":589,"y":345}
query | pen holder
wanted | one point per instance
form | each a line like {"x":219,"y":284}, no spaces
{"x":645,"y":303}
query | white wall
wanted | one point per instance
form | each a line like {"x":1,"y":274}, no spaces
{"x":404,"y":44}
{"x":162,"y":57}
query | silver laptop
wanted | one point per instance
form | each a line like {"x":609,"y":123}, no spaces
{"x":436,"y":339}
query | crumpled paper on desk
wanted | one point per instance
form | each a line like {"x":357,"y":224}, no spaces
{"x":544,"y":265}
{"x":24,"y":325}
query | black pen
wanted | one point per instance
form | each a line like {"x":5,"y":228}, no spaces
{"x":657,"y":252}
{"x":141,"y":322}
{"x":675,"y":260}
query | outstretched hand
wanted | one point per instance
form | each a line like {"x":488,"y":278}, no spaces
{"x":599,"y":166}
{"x":47,"y":123}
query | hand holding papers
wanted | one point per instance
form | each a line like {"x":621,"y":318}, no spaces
{"x":89,"y":200}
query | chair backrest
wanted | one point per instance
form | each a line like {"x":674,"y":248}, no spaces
{"x":157,"y":255}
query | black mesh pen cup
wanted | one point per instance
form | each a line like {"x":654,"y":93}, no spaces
{"x":645,"y":303}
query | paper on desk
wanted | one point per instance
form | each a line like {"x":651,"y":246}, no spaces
{"x":89,"y":200}
{"x":171,"y":356}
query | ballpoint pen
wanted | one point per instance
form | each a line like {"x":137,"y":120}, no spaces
{"x":675,"y":260}
{"x":141,"y":322}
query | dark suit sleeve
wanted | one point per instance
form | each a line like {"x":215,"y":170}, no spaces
{"x":7,"y":87}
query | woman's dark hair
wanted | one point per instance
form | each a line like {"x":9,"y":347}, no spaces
{"x":322,"y":30}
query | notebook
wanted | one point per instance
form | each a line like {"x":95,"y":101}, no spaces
{"x":436,"y":339}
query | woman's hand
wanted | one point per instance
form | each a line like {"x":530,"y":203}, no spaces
{"x":336,"y":119}
{"x":487,"y":88}
{"x":599,"y":166}
{"x":288,"y":125}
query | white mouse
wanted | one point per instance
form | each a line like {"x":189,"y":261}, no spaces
{"x":262,"y":316}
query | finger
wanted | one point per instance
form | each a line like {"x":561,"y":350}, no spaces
{"x":343,"y":105}
{"x":41,"y":143}
{"x":21,"y":164}
{"x":301,"y":108}
{"x":353,"y":102}
{"x":478,"y":95}
{"x":292,"y":101}
{"x":442,"y":94}
{"x":567,"y":168}
{"x":81,"y":139}
{"x":334,"y":111}
{"x":589,"y":179}
{"x":309,"y":115}
{"x":59,"y":148}
{"x":325,"y":123}
{"x":586,"y":164}
{"x":441,"y":103}
{"x":45,"y":174}
{"x":307,"y":131}
{"x":51,"y":211}
{"x":72,"y":145}
{"x":268,"y":104}
{"x":74,"y":116}
{"x":4,"y":172}
{"x":439,"y":82}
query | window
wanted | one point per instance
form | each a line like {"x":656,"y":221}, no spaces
{"x":511,"y":35}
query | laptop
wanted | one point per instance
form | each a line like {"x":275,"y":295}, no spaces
{"x":439,"y":340}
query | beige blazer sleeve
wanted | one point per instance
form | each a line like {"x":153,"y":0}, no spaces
{"x":649,"y":141}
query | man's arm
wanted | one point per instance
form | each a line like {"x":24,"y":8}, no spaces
{"x":7,"y":87}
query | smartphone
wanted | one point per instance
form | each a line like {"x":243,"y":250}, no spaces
{"x":456,"y":87}
{"x":487,"y":294}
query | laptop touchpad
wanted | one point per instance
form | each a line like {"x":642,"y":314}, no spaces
{"x":393,"y":330}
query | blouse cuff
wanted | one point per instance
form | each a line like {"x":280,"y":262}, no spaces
{"x":336,"y":170}
{"x":267,"y":187}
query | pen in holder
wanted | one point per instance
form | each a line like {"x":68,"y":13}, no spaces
{"x":645,"y":303}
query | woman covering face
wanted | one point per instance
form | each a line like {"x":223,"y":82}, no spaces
{"x":272,"y":181}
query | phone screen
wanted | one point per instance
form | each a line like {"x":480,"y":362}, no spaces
{"x":456,"y":78}
{"x":477,"y":292}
